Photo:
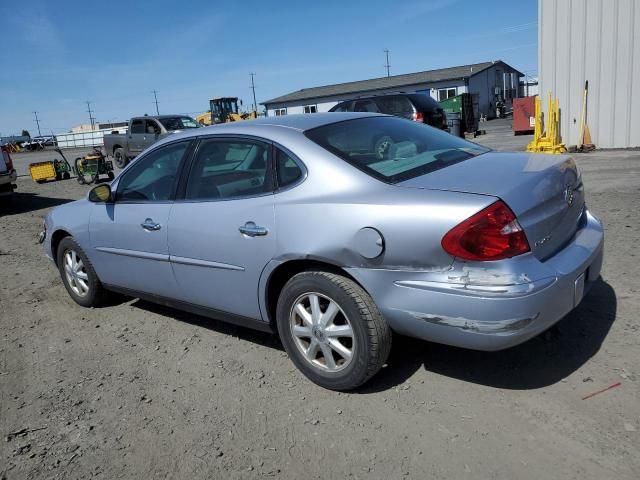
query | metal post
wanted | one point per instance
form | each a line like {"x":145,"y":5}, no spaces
{"x":91,"y":118}
{"x":155,"y":95}
{"x":37,"y":123}
{"x":386,"y":51}
{"x":253,"y":88}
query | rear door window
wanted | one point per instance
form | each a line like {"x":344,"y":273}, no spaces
{"x":365,"y":106}
{"x":343,"y":107}
{"x":152,"y":127}
{"x":230,"y":169}
{"x":395,"y":105}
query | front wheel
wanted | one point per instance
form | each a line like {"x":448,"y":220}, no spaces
{"x":332,"y":330}
{"x":78,"y":275}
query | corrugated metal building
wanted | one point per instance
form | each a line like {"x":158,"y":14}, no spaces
{"x":489,"y":80}
{"x":594,"y":40}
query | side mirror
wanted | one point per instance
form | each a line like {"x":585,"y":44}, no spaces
{"x":101,"y":193}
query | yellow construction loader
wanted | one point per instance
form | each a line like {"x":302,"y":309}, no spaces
{"x":225,"y":110}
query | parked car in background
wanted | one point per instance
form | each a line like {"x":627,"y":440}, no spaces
{"x":413,"y":106}
{"x":296,"y":225}
{"x":8,"y":176}
{"x":142,"y":133}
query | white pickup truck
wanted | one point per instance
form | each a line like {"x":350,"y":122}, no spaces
{"x":7,"y":176}
{"x":143,"y":132}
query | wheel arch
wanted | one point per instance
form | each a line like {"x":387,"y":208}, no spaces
{"x":56,"y":238}
{"x":281,"y":274}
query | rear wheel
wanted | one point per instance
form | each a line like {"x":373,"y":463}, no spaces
{"x":120,"y":158}
{"x":332,"y":330}
{"x":78,"y":275}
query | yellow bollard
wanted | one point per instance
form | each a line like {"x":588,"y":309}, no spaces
{"x":547,"y":140}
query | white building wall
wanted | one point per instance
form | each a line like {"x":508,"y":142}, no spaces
{"x":592,"y":40}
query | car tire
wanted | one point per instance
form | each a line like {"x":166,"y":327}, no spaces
{"x":120,"y":158}
{"x":78,"y":275}
{"x":356,"y":336}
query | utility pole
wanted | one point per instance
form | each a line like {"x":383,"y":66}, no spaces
{"x":37,"y":123}
{"x":155,"y":95}
{"x":91,"y":119}
{"x":253,"y":87}
{"x":386,"y":50}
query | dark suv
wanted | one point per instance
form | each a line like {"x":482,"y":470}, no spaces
{"x":414,"y":106}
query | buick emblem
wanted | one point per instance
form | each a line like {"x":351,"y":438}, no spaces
{"x":568,"y":195}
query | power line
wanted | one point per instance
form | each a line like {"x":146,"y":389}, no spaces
{"x":155,"y":95}
{"x":37,"y":123}
{"x":253,"y":87}
{"x":386,"y":50}
{"x":91,"y":118}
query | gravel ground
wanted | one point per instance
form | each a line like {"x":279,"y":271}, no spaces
{"x":135,"y":390}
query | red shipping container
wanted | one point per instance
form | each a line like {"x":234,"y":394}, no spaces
{"x":524,"y":115}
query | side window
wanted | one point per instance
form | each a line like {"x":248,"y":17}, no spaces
{"x":365,"y":106}
{"x":137,"y":126}
{"x":287,"y":170}
{"x":343,"y":107}
{"x":153,"y":177}
{"x":394,"y":105}
{"x":152,"y":127}
{"x":229,"y":169}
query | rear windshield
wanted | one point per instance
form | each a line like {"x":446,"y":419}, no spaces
{"x":178,"y":123}
{"x":393,"y":149}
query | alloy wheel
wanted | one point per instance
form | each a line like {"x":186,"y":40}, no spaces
{"x":322,"y":332}
{"x":76,"y":274}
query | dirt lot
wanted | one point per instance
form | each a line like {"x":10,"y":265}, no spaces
{"x":134,"y":390}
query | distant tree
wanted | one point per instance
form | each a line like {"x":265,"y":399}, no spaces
{"x":25,"y":133}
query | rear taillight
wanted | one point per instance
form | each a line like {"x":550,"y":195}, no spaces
{"x":491,"y":234}
{"x":418,"y":117}
{"x":7,"y":160}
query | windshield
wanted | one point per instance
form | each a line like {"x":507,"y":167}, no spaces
{"x":178,"y":123}
{"x":393,"y":149}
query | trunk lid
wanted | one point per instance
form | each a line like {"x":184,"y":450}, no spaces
{"x":544,"y":191}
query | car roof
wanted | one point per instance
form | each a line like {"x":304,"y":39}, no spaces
{"x":300,"y":121}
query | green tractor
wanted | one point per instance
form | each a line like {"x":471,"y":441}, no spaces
{"x":89,"y":168}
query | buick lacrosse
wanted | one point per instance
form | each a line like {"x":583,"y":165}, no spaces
{"x":334,"y":230}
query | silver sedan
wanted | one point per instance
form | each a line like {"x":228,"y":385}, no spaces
{"x":335,"y":230}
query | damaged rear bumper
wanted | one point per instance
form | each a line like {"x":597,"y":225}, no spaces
{"x":490,"y":305}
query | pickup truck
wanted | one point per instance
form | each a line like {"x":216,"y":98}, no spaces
{"x":7,"y":176}
{"x":143,"y":132}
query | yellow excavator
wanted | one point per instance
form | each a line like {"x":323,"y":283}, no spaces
{"x":224,"y":110}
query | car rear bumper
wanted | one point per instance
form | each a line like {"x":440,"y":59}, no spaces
{"x":480,"y":308}
{"x":6,"y":182}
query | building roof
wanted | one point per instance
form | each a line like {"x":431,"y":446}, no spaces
{"x":394,"y":81}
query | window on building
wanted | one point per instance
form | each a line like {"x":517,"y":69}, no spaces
{"x":280,"y":112}
{"x":444,"y":93}
{"x":310,"y":108}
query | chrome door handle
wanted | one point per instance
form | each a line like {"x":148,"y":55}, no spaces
{"x":150,"y":225}
{"x":250,"y":229}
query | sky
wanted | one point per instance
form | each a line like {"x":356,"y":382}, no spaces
{"x":57,"y":55}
